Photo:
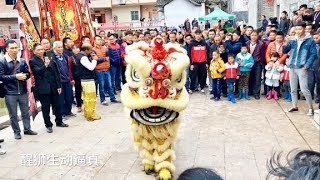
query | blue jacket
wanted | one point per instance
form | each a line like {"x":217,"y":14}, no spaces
{"x":306,"y":55}
{"x":284,"y":25}
{"x":233,"y":47}
{"x":62,"y":67}
{"x":187,"y":48}
{"x":246,"y":62}
{"x":114,"y":53}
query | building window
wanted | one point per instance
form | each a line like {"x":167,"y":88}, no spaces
{"x":134,"y":15}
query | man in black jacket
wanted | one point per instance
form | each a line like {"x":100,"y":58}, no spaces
{"x":14,"y":73}
{"x":47,"y":86}
{"x":284,"y":22}
{"x":199,"y":61}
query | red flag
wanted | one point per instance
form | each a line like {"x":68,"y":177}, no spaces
{"x":65,"y":19}
{"x":44,"y":23}
{"x":85,"y":18}
{"x":29,"y":35}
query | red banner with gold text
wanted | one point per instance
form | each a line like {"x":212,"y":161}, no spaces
{"x":44,"y":23}
{"x":65,"y":19}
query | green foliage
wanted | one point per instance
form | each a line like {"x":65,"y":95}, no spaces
{"x":230,"y":29}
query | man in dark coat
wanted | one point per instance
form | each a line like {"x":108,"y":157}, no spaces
{"x":47,"y":86}
{"x":13,"y":73}
{"x":284,"y":22}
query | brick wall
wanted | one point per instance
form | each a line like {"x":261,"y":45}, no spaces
{"x":266,"y":9}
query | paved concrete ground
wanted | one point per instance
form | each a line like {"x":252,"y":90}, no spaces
{"x":234,"y":139}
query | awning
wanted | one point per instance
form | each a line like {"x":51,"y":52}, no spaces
{"x":217,"y":14}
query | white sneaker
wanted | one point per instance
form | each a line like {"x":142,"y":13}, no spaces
{"x":190,"y":91}
{"x":310,"y":112}
{"x":104,"y":103}
{"x":202,"y":91}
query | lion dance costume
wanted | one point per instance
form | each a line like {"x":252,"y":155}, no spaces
{"x":154,"y":96}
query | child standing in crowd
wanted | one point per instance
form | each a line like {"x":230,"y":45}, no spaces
{"x":285,"y":78}
{"x":217,"y":67}
{"x":274,"y":69}
{"x":231,"y":74}
{"x":245,"y":61}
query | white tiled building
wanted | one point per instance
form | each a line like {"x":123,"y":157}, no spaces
{"x":125,"y":11}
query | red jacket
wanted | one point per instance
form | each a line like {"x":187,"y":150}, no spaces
{"x":2,"y":42}
{"x":285,"y":75}
{"x":232,"y":70}
{"x":70,"y":67}
{"x":199,"y":52}
{"x":272,"y":48}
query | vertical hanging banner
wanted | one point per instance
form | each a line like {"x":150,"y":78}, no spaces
{"x":85,"y":18}
{"x":28,"y":35}
{"x":90,"y":31}
{"x":65,"y":19}
{"x":27,"y":27}
{"x":44,"y":23}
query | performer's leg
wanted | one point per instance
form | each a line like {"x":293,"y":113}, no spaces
{"x":164,"y":154}
{"x":143,"y":143}
{"x":89,"y":100}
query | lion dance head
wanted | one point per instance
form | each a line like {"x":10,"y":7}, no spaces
{"x":154,"y":96}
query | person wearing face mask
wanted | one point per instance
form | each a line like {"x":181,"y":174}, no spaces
{"x":14,"y":73}
{"x":47,"y":86}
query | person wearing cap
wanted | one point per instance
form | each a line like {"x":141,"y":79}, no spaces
{"x":199,"y":61}
{"x":303,"y":53}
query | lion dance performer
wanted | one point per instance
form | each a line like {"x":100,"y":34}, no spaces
{"x":154,"y":97}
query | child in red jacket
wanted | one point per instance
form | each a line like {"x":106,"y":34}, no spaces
{"x":231,"y":74}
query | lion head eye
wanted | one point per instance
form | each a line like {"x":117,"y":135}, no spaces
{"x":135,"y":76}
{"x":179,"y":79}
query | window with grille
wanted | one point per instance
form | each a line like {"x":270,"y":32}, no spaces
{"x":134,"y":15}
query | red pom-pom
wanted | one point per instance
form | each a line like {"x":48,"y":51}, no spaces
{"x":158,"y":52}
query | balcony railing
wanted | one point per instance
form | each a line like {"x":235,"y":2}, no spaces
{"x":131,"y":25}
{"x":144,"y":25}
{"x":100,"y":4}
